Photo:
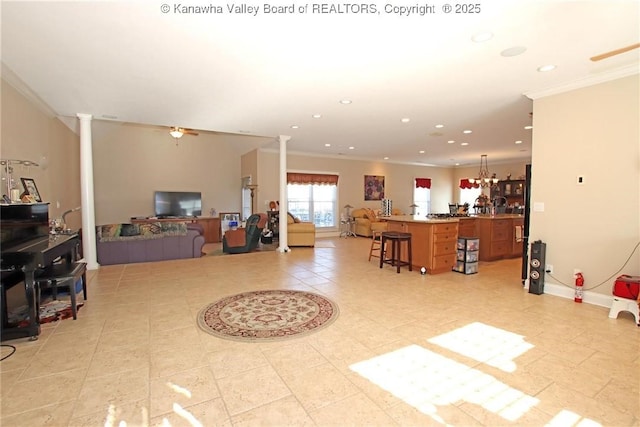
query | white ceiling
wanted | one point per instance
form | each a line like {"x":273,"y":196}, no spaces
{"x":259,"y":75}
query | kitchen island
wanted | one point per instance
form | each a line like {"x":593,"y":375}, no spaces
{"x":501,"y":236}
{"x":433,"y":241}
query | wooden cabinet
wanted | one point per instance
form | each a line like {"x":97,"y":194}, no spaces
{"x":211,"y":229}
{"x":467,"y":227}
{"x":518,"y":237}
{"x":210,"y":225}
{"x":498,"y":237}
{"x":511,"y":190}
{"x":433,"y":243}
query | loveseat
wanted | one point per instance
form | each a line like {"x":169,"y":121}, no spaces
{"x":300,"y":233}
{"x":154,"y":241}
{"x":367,"y":220}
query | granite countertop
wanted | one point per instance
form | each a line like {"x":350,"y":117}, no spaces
{"x":417,"y":218}
{"x":498,"y":216}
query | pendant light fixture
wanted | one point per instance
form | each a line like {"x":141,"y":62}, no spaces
{"x":485,"y":178}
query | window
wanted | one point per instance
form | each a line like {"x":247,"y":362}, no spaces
{"x":313,"y":202}
{"x":469,"y":195}
{"x":313,"y":197}
{"x":422,"y":196}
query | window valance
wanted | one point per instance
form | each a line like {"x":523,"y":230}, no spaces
{"x":465,"y":184}
{"x":311,"y":178}
{"x":423,"y":182}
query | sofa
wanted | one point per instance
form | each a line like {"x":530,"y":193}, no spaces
{"x":153,"y":241}
{"x":367,"y":221}
{"x":300,"y":233}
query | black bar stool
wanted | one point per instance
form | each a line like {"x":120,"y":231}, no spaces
{"x":395,"y":238}
{"x":63,"y":275}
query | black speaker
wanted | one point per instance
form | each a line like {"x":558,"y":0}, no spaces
{"x":536,"y":267}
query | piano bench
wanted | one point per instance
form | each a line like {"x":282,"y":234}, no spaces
{"x":63,"y":275}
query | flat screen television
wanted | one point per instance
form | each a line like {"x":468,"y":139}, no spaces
{"x":178,"y":203}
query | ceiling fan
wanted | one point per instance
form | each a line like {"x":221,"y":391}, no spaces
{"x":177,"y":132}
{"x":614,"y":52}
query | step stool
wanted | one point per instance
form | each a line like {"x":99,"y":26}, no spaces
{"x":624,"y":304}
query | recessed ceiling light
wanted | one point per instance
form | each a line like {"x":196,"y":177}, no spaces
{"x":352,"y":148}
{"x":345,"y":101}
{"x":482,"y":36}
{"x":518,"y":142}
{"x":386,"y":158}
{"x":405,"y":120}
{"x":295,"y":126}
{"x":451,"y":141}
{"x":421,"y":151}
{"x":317,"y":116}
{"x":513,"y":51}
{"x":327,"y":145}
{"x":528,"y":127}
{"x":544,"y":68}
{"x":466,"y":131}
{"x":457,"y":164}
{"x":439,"y":126}
{"x":464,"y":143}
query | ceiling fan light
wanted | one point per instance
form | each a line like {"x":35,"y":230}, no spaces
{"x":176,"y":133}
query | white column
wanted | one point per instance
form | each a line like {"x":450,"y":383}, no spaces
{"x":282,"y":227}
{"x":86,"y":190}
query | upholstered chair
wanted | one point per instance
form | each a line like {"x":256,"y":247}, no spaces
{"x":242,"y":240}
{"x":300,"y":233}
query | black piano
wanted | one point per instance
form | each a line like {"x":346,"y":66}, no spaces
{"x":26,"y":247}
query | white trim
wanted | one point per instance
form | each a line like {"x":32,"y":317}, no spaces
{"x":588,"y":297}
{"x":585,"y":82}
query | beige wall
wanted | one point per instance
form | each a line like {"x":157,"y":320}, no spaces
{"x":593,"y":227}
{"x":131,"y":162}
{"x":31,"y":133}
{"x":398,"y":180}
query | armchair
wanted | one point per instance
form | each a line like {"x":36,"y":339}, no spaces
{"x":242,"y":240}
{"x":300,"y":233}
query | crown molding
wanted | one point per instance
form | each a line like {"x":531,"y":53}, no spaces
{"x":618,"y":73}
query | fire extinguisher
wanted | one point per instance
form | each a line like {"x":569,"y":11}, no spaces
{"x":579,"y":286}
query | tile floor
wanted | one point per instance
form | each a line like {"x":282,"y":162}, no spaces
{"x":406,"y":350}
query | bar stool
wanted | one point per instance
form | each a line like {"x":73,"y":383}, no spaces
{"x":396,"y":238}
{"x":376,"y":238}
{"x":63,"y":275}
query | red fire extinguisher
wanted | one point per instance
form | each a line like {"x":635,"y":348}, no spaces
{"x":579,"y":285}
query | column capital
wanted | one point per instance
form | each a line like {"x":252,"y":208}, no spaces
{"x":84,"y":116}
{"x":283,"y":138}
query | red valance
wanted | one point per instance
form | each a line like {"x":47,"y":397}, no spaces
{"x":464,"y":183}
{"x":423,"y":182}
{"x":312,"y":178}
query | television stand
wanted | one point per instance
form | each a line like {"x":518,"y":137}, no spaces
{"x":210,"y":225}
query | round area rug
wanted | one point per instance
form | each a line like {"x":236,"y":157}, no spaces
{"x":267,"y":315}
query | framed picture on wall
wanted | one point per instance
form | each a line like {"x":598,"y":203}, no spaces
{"x":30,"y":188}
{"x":373,"y":187}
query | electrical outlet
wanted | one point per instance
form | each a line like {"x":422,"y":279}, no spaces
{"x":549,"y":268}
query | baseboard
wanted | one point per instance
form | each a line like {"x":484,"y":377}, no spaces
{"x":569,"y":293}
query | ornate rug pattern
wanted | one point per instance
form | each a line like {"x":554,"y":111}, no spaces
{"x":267,"y":315}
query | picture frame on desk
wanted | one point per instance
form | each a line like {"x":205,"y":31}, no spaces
{"x":30,"y":188}
{"x":227,"y":219}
